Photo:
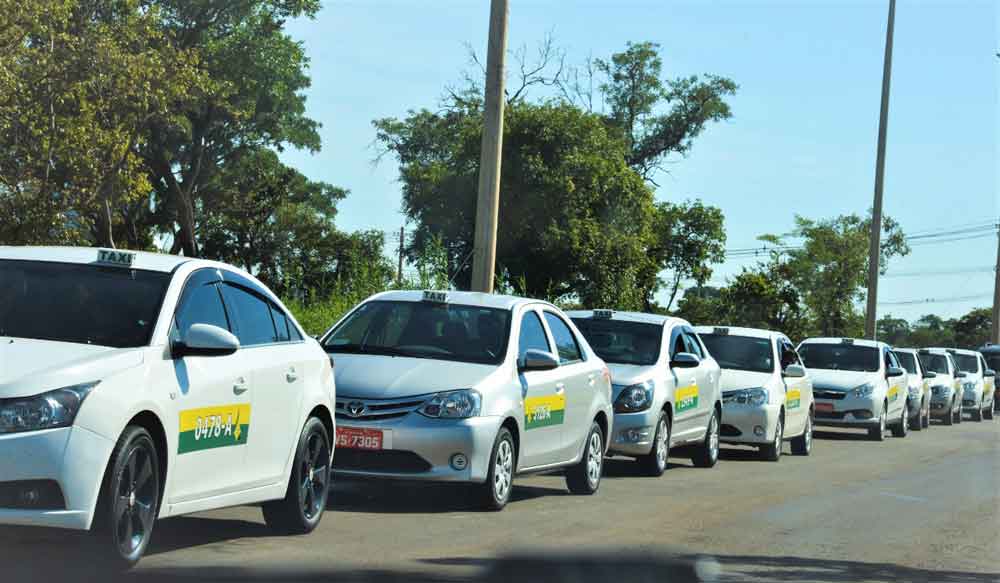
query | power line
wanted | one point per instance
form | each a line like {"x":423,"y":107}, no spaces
{"x":946,"y":300}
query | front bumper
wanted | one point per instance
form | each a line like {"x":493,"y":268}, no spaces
{"x":634,"y":433}
{"x":72,"y":457}
{"x":850,"y":411}
{"x":942,"y":406}
{"x":972,"y":400}
{"x":422,"y":449}
{"x":742,"y":423}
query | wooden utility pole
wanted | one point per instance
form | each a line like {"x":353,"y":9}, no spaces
{"x":995,"y":333}
{"x":876,"y":227}
{"x":399,"y":269}
{"x":488,"y":203}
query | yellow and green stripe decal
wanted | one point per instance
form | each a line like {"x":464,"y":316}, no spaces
{"x":212,"y":427}
{"x":793,"y":399}
{"x":893,"y":393}
{"x":686,"y":398}
{"x":544,"y":411}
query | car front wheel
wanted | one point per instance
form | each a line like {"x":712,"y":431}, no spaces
{"x":500,"y":480}
{"x":654,"y":463}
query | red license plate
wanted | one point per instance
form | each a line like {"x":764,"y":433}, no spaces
{"x":359,"y":438}
{"x":825,"y":407}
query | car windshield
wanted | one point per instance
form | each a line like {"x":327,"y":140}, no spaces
{"x":622,"y":342}
{"x":840,"y":357}
{"x":424,"y":330}
{"x":937,"y":363}
{"x":908,"y":361}
{"x":740,"y":352}
{"x":82,"y":303}
{"x":966,"y":362}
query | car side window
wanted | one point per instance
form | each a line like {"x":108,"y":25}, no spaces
{"x":678,"y":345}
{"x":566,"y":345}
{"x":280,"y":324}
{"x":254,"y":325}
{"x":890,"y":360}
{"x":788,"y":355}
{"x":532,"y":335}
{"x":201,"y":304}
{"x":692,"y":345}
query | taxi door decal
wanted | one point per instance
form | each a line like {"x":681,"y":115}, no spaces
{"x":686,"y":398}
{"x":544,"y":411}
{"x":893,"y":393}
{"x":793,"y":398}
{"x":213,"y":427}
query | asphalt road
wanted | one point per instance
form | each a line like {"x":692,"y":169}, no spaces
{"x":923,"y":508}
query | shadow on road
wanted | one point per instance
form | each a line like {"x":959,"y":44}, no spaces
{"x":385,"y":497}
{"x":802,"y":570}
{"x":628,"y":468}
{"x":858,"y":435}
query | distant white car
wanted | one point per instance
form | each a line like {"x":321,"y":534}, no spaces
{"x":135,"y":386}
{"x":857,"y":383}
{"x":946,"y":386}
{"x":767,"y":396}
{"x":977,"y":389}
{"x":919,"y":381}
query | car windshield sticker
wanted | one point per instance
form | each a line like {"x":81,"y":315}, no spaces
{"x":686,"y":398}
{"x":116,"y":258}
{"x":544,"y":411}
{"x":212,"y":427}
{"x":793,"y":399}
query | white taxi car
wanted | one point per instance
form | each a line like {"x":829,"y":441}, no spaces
{"x":977,"y":391}
{"x":946,"y":387}
{"x":919,"y":384}
{"x":767,"y":396}
{"x":857,"y":383}
{"x":666,"y":386}
{"x":468,"y":387}
{"x":135,"y":386}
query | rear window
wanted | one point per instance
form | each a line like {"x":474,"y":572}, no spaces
{"x":621,"y":342}
{"x":840,"y":357}
{"x":740,"y":352}
{"x":81,"y":303}
{"x":908,"y":361}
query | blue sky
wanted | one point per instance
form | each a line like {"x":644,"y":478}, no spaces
{"x":801,"y":139}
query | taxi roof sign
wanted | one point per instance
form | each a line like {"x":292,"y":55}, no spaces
{"x":721,"y":331}
{"x":602,"y":314}
{"x":847,"y":341}
{"x":439,"y":297}
{"x":115,"y":257}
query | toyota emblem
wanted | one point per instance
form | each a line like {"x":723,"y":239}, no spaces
{"x":356,"y":408}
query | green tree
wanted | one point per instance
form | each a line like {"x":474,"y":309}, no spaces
{"x":701,"y":305}
{"x":894,"y":331}
{"x":687,"y":239}
{"x":973,"y":329}
{"x":758,"y":299}
{"x":931,"y":330}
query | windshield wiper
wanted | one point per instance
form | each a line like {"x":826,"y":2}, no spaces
{"x":368,"y":349}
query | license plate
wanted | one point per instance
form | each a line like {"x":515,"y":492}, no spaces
{"x":362,"y":438}
{"x":824,"y":407}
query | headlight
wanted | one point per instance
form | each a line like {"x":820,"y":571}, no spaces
{"x":940,"y":390}
{"x":453,"y":405}
{"x":756,"y":397}
{"x":634,"y":398}
{"x":49,"y":410}
{"x":864,"y":390}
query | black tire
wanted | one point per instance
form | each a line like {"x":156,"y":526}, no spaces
{"x":654,"y":463}
{"x":772,"y":451}
{"x":584,"y":477}
{"x":495,"y":492}
{"x":988,"y":413}
{"x":977,"y":415}
{"x":949,"y":418}
{"x":802,"y":445}
{"x":878,"y":433}
{"x":917,"y":423}
{"x":706,"y":454}
{"x":300,"y":511}
{"x":958,"y":415}
{"x":925,"y":420}
{"x":901,"y":429}
{"x":129,"y":501}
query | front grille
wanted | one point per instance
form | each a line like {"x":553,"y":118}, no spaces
{"x":388,"y":461}
{"x":968,"y":402}
{"x":377,"y":409}
{"x":829,"y":414}
{"x":828,"y":394}
{"x":31,"y":495}
{"x":729,"y":431}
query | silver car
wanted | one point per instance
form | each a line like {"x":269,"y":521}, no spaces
{"x":977,"y":393}
{"x":666,"y":386}
{"x":946,"y":387}
{"x":919,"y":381}
{"x":767,"y":396}
{"x":467,"y":387}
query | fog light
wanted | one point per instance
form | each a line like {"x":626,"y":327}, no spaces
{"x":634,"y":435}
{"x":863,"y":414}
{"x":30,"y":497}
{"x":758,"y":431}
{"x":459,"y":461}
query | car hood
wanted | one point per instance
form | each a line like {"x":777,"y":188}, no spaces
{"x":630,"y":374}
{"x":29,"y":367}
{"x":840,"y":379}
{"x":369,"y":376}
{"x":743,"y":379}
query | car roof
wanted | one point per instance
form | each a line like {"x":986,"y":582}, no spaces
{"x":741,"y":331}
{"x":990,"y":348}
{"x":478,"y":299}
{"x":854,"y":341}
{"x":936,"y":350}
{"x":907,"y":350}
{"x":964,"y":351}
{"x":88,"y":255}
{"x":639,"y":317}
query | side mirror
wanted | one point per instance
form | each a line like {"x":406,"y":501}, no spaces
{"x":894,"y":371}
{"x":684,"y":360}
{"x":537,"y":360}
{"x":990,"y":373}
{"x":794,"y":371}
{"x":930,"y":374}
{"x":205,"y":340}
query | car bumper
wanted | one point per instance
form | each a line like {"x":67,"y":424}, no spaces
{"x":73,"y":458}
{"x":972,"y":400}
{"x":748,"y":423}
{"x":848,"y":412}
{"x":914,"y":406}
{"x":422,"y":449}
{"x":634,"y":433}
{"x":942,"y":406}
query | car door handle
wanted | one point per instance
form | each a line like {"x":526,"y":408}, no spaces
{"x":240,"y":386}
{"x":291,"y":376}
{"x":592,"y":379}
{"x":560,"y":388}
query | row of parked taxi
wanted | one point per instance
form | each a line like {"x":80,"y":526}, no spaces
{"x":137,"y":386}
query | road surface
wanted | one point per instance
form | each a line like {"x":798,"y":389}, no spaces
{"x":923,"y":508}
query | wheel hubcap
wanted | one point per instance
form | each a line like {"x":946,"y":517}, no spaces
{"x":595,"y":455}
{"x":661,"y":444}
{"x":777,"y":438}
{"x":135,"y":503}
{"x":315,"y":475}
{"x":713,"y":437}
{"x":809,"y":434}
{"x":503,"y":470}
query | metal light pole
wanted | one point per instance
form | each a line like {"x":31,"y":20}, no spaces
{"x":995,"y":334}
{"x":488,"y":203}
{"x":876,"y":227}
